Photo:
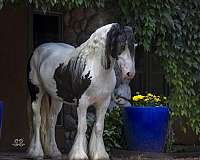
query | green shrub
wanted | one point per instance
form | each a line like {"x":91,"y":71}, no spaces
{"x":113,"y":129}
{"x":170,"y":30}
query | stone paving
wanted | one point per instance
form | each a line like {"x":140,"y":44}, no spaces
{"x":131,"y":155}
{"x":22,"y":156}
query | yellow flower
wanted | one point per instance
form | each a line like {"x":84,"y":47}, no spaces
{"x":149,"y":98}
{"x":140,"y":97}
{"x":157,"y":99}
{"x":137,"y":98}
{"x":146,"y":100}
{"x":149,"y":94}
{"x":137,"y":93}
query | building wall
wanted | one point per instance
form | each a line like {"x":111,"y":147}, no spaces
{"x":79,"y":24}
{"x":13,"y":89}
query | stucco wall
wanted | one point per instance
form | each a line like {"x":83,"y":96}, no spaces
{"x":13,"y":89}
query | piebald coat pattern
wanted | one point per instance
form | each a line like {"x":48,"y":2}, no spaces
{"x":83,"y":76}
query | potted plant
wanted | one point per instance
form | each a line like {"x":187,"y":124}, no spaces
{"x":146,"y":123}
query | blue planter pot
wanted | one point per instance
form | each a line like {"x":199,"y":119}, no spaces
{"x":146,"y":128}
{"x":1,"y":115}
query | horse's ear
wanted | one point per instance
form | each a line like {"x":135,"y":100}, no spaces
{"x":130,"y":32}
{"x":129,"y":29}
{"x":111,"y":40}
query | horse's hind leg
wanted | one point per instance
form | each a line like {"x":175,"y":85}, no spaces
{"x":49,"y":143}
{"x":35,"y":148}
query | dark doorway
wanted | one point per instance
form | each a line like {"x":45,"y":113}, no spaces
{"x":46,"y":28}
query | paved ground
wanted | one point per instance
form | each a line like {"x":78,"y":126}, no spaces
{"x":122,"y":155}
{"x":130,"y":155}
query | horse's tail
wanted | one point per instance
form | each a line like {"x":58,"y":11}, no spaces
{"x":30,"y":114}
{"x":44,"y":112}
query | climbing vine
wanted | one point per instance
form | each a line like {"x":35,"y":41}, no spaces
{"x":58,"y":4}
{"x":171,"y":30}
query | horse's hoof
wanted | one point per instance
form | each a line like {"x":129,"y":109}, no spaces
{"x":30,"y":156}
{"x":38,"y":158}
{"x":54,"y":153}
{"x":35,"y":154}
{"x":57,"y":156}
{"x":100,"y":156}
{"x":77,"y":156}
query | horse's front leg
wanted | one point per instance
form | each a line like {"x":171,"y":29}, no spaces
{"x":97,"y":149}
{"x":79,"y":148}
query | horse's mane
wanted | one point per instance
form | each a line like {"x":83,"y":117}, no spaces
{"x":94,"y":46}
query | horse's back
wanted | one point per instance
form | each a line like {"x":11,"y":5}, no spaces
{"x":48,"y":50}
{"x":45,"y":59}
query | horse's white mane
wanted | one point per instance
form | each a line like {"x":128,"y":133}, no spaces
{"x":96,"y":41}
{"x":95,"y":45}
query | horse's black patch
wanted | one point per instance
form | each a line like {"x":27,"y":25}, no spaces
{"x":33,"y":89}
{"x":111,"y":43}
{"x":69,"y":80}
{"x":118,"y":74}
{"x":116,"y":42}
{"x":130,"y":39}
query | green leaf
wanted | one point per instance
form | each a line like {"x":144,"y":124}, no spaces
{"x":1,"y":4}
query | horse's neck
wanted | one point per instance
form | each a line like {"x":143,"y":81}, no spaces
{"x":93,"y":52}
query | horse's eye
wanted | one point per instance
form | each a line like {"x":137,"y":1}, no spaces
{"x":122,"y":47}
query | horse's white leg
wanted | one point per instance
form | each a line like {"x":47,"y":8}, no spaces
{"x":54,"y":111}
{"x":92,"y":144}
{"x":97,"y":149}
{"x":79,"y":148}
{"x":35,"y":149}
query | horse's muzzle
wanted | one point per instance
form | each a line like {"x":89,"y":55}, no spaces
{"x":130,"y":75}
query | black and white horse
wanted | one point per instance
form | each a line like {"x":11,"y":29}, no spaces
{"x":84,"y":76}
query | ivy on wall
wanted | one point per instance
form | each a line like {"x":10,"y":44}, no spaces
{"x":58,"y":4}
{"x":171,"y":30}
{"x":168,"y":29}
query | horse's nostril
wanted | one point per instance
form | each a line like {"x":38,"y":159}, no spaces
{"x":130,"y":75}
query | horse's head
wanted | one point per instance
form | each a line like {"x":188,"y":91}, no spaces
{"x":120,"y":45}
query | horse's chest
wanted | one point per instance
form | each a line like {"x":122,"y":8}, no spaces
{"x":101,"y":87}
